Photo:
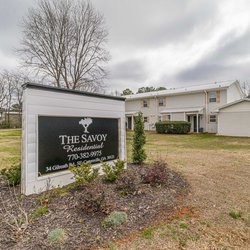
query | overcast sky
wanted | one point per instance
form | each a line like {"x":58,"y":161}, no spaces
{"x":158,"y":42}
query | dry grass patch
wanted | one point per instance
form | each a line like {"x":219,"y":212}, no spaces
{"x":218,"y":169}
{"x":10,"y":147}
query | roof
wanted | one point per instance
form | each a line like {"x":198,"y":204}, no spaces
{"x":233,"y":103}
{"x":132,"y":112}
{"x":70,"y":91}
{"x":184,"y":90}
{"x":181,"y":110}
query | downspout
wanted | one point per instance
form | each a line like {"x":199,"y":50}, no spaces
{"x":206,"y":110}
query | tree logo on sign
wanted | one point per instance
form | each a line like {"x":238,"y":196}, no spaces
{"x":85,"y":123}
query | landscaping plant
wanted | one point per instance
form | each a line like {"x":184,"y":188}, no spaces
{"x":139,"y":139}
{"x":127,"y":183}
{"x":116,"y":218}
{"x":173,"y":127}
{"x":57,"y":236}
{"x":156,"y":174}
{"x":94,"y":200}
{"x":84,"y":173}
{"x":113,"y":172}
{"x":12,"y":175}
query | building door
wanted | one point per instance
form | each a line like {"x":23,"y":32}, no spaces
{"x":193,"y":120}
{"x":129,"y":125}
{"x":195,"y":123}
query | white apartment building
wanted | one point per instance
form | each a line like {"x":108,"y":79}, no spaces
{"x":196,"y":104}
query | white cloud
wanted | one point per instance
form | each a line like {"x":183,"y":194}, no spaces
{"x":160,"y":42}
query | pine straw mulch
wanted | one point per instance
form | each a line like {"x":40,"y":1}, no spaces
{"x":84,"y":230}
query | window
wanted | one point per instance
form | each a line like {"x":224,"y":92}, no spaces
{"x":145,"y":103}
{"x":212,"y":118}
{"x":159,"y":118}
{"x":161,"y":101}
{"x":212,"y":97}
{"x":145,"y":119}
{"x":166,"y":117}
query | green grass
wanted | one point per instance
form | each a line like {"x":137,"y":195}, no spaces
{"x":162,"y":144}
{"x":10,"y":147}
{"x":148,"y":233}
{"x":156,"y":145}
{"x":235,"y":214}
{"x":40,"y":211}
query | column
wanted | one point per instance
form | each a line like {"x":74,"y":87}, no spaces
{"x":197,"y":118}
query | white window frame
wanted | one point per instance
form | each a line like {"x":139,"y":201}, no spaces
{"x":145,"y":119}
{"x":160,"y":101}
{"x":145,"y":103}
{"x":212,"y":96}
{"x":212,"y":118}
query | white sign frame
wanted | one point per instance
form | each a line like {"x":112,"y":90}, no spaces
{"x":50,"y":101}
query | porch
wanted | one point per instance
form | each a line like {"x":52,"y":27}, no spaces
{"x":193,"y":115}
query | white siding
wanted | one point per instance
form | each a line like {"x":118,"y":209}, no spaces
{"x":185,"y":101}
{"x":235,"y":120}
{"x":233,"y":93}
{"x":42,"y":102}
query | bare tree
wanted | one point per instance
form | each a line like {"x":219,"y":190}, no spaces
{"x":12,"y":92}
{"x":246,"y":87}
{"x":3,"y":93}
{"x":66,"y":40}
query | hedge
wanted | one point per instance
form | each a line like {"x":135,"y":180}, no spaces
{"x":173,"y":127}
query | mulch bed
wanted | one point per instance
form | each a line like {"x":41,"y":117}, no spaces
{"x":84,"y":229}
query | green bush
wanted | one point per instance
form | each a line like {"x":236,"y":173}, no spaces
{"x":139,"y":139}
{"x":84,"y":173}
{"x":12,"y":175}
{"x":113,"y":172}
{"x":116,"y":218}
{"x":173,"y":127}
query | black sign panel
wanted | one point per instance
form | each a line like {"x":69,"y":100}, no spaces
{"x":65,"y":141}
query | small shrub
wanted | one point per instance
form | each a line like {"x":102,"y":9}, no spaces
{"x":139,"y":139}
{"x":113,"y":172}
{"x":173,"y":127}
{"x":57,"y":236}
{"x":127,"y":183}
{"x":84,"y":173}
{"x":235,"y":214}
{"x":94,"y":200}
{"x":156,"y":174}
{"x":40,"y":211}
{"x":12,"y":175}
{"x":44,"y":199}
{"x":116,"y":218}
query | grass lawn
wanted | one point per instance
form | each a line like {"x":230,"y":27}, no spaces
{"x":10,"y":147}
{"x":216,"y":214}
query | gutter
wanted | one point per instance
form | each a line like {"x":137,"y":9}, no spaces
{"x":206,"y":106}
